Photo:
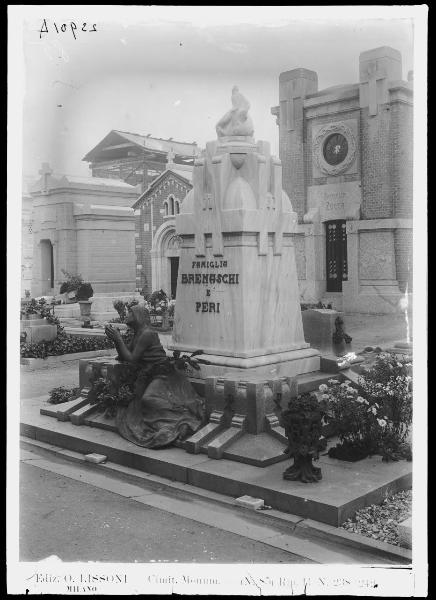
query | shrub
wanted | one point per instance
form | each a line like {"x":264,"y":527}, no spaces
{"x":66,"y":344}
{"x":85,"y":291}
{"x":63,"y":394}
{"x":374,"y":418}
{"x":307,"y":305}
{"x":159,"y":301}
{"x":109,"y":396}
{"x":31,"y":308}
{"x":43,"y":310}
{"x":388,"y":382}
{"x":353,"y":419}
{"x":122,"y":306}
{"x":72,"y":283}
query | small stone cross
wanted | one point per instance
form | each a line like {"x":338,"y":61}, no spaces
{"x":171,"y":155}
{"x":45,"y":171}
{"x":374,"y":75}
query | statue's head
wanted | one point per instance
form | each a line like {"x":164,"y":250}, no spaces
{"x":137,"y":316}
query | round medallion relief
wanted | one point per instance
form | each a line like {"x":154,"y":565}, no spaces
{"x":334,"y":148}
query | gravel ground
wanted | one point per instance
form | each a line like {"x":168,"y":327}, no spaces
{"x":380,"y":521}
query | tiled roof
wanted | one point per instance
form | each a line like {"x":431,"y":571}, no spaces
{"x":99,"y":181}
{"x":146,"y":142}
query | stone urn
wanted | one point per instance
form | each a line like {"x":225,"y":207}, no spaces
{"x":302,"y":423}
{"x":85,"y":308}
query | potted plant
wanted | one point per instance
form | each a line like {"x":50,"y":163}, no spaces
{"x":159,"y":307}
{"x":30,"y":310}
{"x":70,"y":286}
{"x":84,"y":293}
{"x":302,"y":421}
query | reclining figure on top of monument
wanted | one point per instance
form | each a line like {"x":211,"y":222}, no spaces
{"x":236,"y":121}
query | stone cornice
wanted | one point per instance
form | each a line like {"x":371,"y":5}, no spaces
{"x":331,"y":96}
{"x":92,"y":191}
{"x":368,"y":224}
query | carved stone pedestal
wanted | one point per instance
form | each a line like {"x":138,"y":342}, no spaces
{"x":243,"y":422}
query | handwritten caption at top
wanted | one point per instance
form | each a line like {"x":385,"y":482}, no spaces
{"x":70,"y":27}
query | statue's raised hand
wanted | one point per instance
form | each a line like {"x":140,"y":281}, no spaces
{"x":112,"y":333}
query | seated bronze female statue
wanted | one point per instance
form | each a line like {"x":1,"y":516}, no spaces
{"x":166,"y":408}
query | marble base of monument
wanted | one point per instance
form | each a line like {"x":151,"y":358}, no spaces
{"x":242,"y":408}
{"x":244,"y":419}
{"x":278,"y":364}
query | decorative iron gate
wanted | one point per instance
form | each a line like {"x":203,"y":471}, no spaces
{"x":336,"y":255}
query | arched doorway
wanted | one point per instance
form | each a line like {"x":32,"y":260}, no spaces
{"x":165,"y":259}
{"x":47,"y":267}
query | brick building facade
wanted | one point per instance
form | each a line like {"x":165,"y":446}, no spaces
{"x":347,"y":161}
{"x":156,"y":242}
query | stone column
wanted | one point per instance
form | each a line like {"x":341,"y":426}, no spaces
{"x":350,"y":288}
{"x":293,"y":87}
{"x":315,"y":261}
{"x":376,"y":68}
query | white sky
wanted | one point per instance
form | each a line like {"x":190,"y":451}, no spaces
{"x":169,"y":71}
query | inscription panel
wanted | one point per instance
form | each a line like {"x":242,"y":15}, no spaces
{"x":376,"y":255}
{"x":334,"y":201}
{"x":209,"y":275}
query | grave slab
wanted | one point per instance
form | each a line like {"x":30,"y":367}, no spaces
{"x":345,"y":487}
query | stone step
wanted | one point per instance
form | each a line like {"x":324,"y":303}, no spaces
{"x":117,"y":295}
{"x":310,"y":382}
{"x":343,"y":489}
{"x":67,"y":310}
{"x":104,"y":315}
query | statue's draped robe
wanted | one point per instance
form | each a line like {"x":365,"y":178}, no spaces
{"x":166,"y":406}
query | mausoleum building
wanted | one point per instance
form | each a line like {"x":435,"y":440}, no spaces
{"x":347,"y":160}
{"x":156,"y":244}
{"x":26,"y":238}
{"x":83,"y":225}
